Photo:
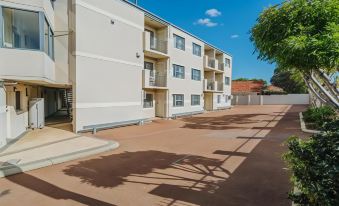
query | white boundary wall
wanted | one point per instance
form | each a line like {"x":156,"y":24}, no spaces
{"x":288,"y":99}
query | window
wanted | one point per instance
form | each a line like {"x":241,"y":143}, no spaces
{"x":179,"y":42}
{"x":196,"y":49}
{"x":148,"y":100}
{"x":148,"y":65}
{"x":17,"y":100}
{"x":196,"y":74}
{"x":195,"y":100}
{"x":226,"y":98}
{"x":178,"y":100}
{"x":21,"y":29}
{"x":228,"y":63}
{"x":178,"y":71}
{"x":227,"y":81}
{"x":219,"y":99}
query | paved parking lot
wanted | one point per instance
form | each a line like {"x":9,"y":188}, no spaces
{"x":230,"y":157}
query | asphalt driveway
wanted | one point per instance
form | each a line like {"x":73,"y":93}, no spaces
{"x":230,"y":157}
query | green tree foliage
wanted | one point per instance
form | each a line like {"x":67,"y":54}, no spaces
{"x":290,"y":81}
{"x":315,"y":167}
{"x":301,"y":34}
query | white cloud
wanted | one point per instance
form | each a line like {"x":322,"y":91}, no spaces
{"x":234,"y":36}
{"x":206,"y":22}
{"x":213,"y":13}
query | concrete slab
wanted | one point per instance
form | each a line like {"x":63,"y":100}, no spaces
{"x":49,"y":146}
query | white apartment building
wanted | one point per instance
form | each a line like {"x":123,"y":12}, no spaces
{"x":101,"y":64}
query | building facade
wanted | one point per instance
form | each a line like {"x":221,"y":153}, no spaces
{"x":101,"y":64}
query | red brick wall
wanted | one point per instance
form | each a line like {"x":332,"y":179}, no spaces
{"x":247,"y":86}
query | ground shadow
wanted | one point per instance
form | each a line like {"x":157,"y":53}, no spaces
{"x":35,"y":184}
{"x":261,"y":179}
{"x":221,"y":122}
{"x":112,"y":170}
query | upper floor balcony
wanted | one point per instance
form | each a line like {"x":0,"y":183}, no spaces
{"x":26,"y":46}
{"x":212,"y":64}
{"x":154,"y":80}
{"x":154,"y":46}
{"x":155,"y":38}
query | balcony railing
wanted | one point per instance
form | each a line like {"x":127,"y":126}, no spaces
{"x":158,"y":45}
{"x":220,"y":86}
{"x":152,"y":79}
{"x":158,"y":80}
{"x":210,"y":85}
{"x":153,"y":43}
{"x":221,"y":67}
{"x":211,"y":63}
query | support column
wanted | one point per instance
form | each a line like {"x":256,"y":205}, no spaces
{"x":3,"y":115}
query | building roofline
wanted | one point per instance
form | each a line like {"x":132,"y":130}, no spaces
{"x":156,"y":17}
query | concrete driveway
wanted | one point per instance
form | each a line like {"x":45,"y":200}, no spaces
{"x":223,"y":158}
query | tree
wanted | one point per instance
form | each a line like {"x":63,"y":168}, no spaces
{"x":291,"y":82}
{"x":303,"y":35}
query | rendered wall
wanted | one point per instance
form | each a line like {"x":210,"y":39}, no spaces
{"x":185,"y":86}
{"x":3,"y":118}
{"x":107,"y":73}
{"x":289,"y":99}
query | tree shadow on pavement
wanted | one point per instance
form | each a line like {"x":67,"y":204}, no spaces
{"x":42,"y":187}
{"x":113,"y":170}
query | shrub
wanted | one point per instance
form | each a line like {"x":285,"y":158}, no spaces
{"x":319,"y":115}
{"x":315,"y":167}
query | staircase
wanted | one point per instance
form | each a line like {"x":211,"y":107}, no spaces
{"x":68,"y":100}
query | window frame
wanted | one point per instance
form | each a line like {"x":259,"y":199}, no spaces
{"x":192,"y":74}
{"x":41,"y":21}
{"x":227,"y":63}
{"x":228,"y":82}
{"x":196,"y":45}
{"x":192,"y":102}
{"x":175,"y":36}
{"x":151,"y":102}
{"x":175,"y":100}
{"x":175,"y":73}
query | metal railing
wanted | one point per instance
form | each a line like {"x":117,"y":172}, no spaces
{"x":221,"y":67}
{"x":211,"y":62}
{"x":157,"y":80}
{"x":220,"y":86}
{"x":210,"y":85}
{"x":158,"y":45}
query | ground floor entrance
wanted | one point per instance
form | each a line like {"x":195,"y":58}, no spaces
{"x":26,"y":106}
{"x":155,"y":103}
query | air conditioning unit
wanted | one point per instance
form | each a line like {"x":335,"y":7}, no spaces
{"x":36,"y":114}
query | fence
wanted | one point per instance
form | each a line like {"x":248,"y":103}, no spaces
{"x":288,"y":99}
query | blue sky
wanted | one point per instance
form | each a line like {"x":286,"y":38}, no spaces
{"x":226,"y":26}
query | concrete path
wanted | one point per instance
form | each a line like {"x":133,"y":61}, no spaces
{"x":48,"y":146}
{"x":230,"y":157}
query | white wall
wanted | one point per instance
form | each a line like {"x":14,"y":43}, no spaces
{"x":3,"y":117}
{"x":33,"y":65}
{"x":107,"y":73}
{"x":185,"y":86}
{"x":288,"y":99}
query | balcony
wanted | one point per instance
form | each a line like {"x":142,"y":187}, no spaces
{"x":153,"y":80}
{"x":28,"y":65}
{"x":220,"y":87}
{"x":155,"y":47}
{"x":210,"y":64}
{"x":221,"y":67}
{"x":209,"y":85}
